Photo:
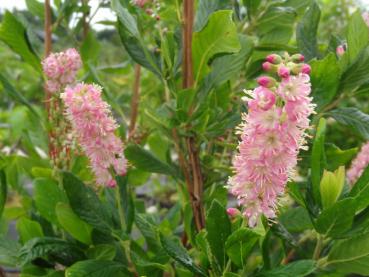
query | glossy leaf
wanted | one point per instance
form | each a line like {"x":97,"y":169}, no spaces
{"x":28,"y":229}
{"x":360,"y":190}
{"x":105,"y":252}
{"x":97,"y":268}
{"x":295,"y":269}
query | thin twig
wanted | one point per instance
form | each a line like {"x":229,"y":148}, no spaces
{"x":135,"y":100}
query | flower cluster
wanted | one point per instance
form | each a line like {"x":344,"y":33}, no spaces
{"x":61,"y":68}
{"x":359,"y":164}
{"x":272,"y":133}
{"x":94,"y":128}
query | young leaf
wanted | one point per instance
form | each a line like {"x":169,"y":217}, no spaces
{"x":13,"y":33}
{"x":239,"y":245}
{"x":218,"y":228}
{"x":77,"y":228}
{"x":28,"y":229}
{"x":307,"y":30}
{"x":97,"y":268}
{"x":218,"y":36}
{"x":337,"y":219}
{"x":175,"y":250}
{"x":317,"y":160}
{"x":295,"y":269}
{"x":331,"y":186}
{"x":337,"y":157}
{"x":353,"y":118}
{"x":85,"y":203}
{"x":144,"y":160}
{"x":351,"y":255}
{"x":47,"y":194}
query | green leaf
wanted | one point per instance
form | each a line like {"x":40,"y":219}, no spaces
{"x":351,"y":255}
{"x":226,"y":67}
{"x":239,"y":244}
{"x":296,"y":220}
{"x":175,"y":250}
{"x":9,"y":252}
{"x":104,"y":252}
{"x":90,"y":49}
{"x":218,"y":228}
{"x":356,"y":75}
{"x":127,"y":202}
{"x":354,"y":118}
{"x":3,"y":192}
{"x":128,"y":21}
{"x":51,"y":249}
{"x":307,"y":30}
{"x":15,"y":95}
{"x":36,"y":8}
{"x":47,"y":194}
{"x":97,"y":268}
{"x":337,"y":157}
{"x":360,"y":190}
{"x":218,"y":36}
{"x":357,"y":36}
{"x":295,"y":269}
{"x":144,"y":160}
{"x":331,"y":186}
{"x":85,"y":203}
{"x":148,"y":230}
{"x":317,"y":160}
{"x":205,"y":9}
{"x":13,"y":33}
{"x":336,"y":219}
{"x":77,"y":228}
{"x":325,"y":76}
{"x":28,"y":229}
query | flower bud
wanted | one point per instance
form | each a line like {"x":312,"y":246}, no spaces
{"x":283,"y":71}
{"x":297,"y":58}
{"x":267,"y":66}
{"x":266,"y":81}
{"x":331,"y":186}
{"x":340,"y":50}
{"x":305,"y":68}
{"x":232,"y":212}
{"x":274,"y":59}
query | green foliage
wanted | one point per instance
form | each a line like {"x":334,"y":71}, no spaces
{"x":97,"y":268}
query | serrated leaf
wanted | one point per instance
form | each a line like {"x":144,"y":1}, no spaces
{"x":28,"y":229}
{"x":77,"y":228}
{"x":239,"y":244}
{"x":86,"y":204}
{"x":9,"y":252}
{"x":144,"y":160}
{"x":105,"y":252}
{"x":295,"y":269}
{"x":13,"y":33}
{"x":218,"y":36}
{"x":307,"y":31}
{"x":97,"y":268}
{"x":175,"y":250}
{"x":337,"y":219}
{"x":353,"y":118}
{"x":218,"y":228}
{"x":47,"y":194}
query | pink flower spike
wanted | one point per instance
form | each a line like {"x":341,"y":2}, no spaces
{"x":94,"y":127}
{"x":283,"y":71}
{"x":306,"y":69}
{"x":358,"y":165}
{"x":232,"y":212}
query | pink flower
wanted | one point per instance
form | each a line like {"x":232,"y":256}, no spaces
{"x":94,"y":128}
{"x":273,"y":58}
{"x":233,"y":212}
{"x":267,"y":66}
{"x":61,"y":68}
{"x":359,"y":164}
{"x":266,"y":81}
{"x":283,"y":71}
{"x":305,"y":68}
{"x":272,"y":133}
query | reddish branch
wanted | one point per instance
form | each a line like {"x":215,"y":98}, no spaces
{"x":135,"y":101}
{"x":84,"y":18}
{"x":195,"y":180}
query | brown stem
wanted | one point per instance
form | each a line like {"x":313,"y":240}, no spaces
{"x":195,"y":188}
{"x":135,"y":101}
{"x":84,"y":19}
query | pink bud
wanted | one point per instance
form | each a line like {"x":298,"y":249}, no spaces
{"x":266,"y":81}
{"x":305,"y":68}
{"x":267,"y":66}
{"x":233,"y":212}
{"x":340,"y":50}
{"x":283,"y":71}
{"x":274,"y":59}
{"x":297,"y":58}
